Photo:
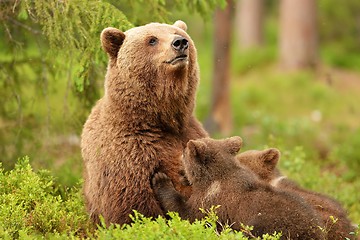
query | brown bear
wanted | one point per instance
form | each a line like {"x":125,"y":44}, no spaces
{"x":218,"y":179}
{"x":263,"y":163}
{"x":142,"y":123}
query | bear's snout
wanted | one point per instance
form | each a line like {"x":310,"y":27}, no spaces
{"x":180,"y":44}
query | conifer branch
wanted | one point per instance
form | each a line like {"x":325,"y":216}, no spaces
{"x":20,"y":24}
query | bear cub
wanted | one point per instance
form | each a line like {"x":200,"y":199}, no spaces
{"x":263,"y":163}
{"x":217,"y":178}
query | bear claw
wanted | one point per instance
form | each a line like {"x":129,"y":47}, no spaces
{"x":160,"y":179}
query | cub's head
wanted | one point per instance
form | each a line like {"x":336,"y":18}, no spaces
{"x":262,"y":163}
{"x":157,"y":58}
{"x":206,"y":160}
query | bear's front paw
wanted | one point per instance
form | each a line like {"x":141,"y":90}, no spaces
{"x":161,"y":180}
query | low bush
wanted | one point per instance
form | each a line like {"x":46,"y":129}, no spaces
{"x":32,"y":206}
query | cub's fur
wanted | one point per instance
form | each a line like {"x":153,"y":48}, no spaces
{"x":263,"y":163}
{"x":218,"y":179}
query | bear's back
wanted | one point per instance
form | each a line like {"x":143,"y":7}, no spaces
{"x":244,"y":199}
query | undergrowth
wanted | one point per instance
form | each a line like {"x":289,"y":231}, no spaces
{"x":32,"y":206}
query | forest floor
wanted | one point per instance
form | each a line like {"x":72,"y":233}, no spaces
{"x":341,"y":79}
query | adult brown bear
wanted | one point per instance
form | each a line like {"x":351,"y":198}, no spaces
{"x":143,"y":122}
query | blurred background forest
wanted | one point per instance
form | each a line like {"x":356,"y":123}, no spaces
{"x":282,"y":74}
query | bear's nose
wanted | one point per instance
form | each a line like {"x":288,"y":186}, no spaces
{"x":180,"y":44}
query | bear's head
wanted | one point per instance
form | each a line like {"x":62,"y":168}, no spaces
{"x":262,"y":163}
{"x":154,"y":59}
{"x":206,"y":160}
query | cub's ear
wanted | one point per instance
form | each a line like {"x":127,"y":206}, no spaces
{"x":197,"y":150}
{"x":270,"y":158}
{"x":233,"y":144}
{"x":181,"y":24}
{"x":111,"y":41}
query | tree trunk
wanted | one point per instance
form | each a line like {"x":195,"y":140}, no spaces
{"x":298,"y":34}
{"x":220,"y":119}
{"x":250,"y":23}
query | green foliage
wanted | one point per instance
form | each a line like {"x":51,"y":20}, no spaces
{"x":340,"y":33}
{"x":294,"y":163}
{"x":348,"y":152}
{"x":32,"y":207}
{"x":142,"y":12}
{"x":204,"y":7}
{"x":175,"y":228}
{"x":246,"y":60}
{"x":247,"y":230}
{"x":338,"y":24}
{"x":336,"y":55}
{"x":264,"y":109}
{"x":160,"y":228}
{"x":73,"y":29}
{"x":30,"y":203}
{"x":52,"y":65}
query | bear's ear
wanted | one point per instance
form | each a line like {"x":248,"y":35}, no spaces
{"x":111,"y":41}
{"x":197,"y":150}
{"x":233,"y":144}
{"x":270,"y":158}
{"x":181,"y":24}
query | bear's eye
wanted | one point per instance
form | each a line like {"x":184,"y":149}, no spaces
{"x":153,"y":41}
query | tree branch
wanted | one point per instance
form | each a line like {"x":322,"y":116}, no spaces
{"x":20,"y":24}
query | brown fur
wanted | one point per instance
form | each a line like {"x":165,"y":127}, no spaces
{"x":263,"y":163}
{"x":218,"y":179}
{"x":142,"y":123}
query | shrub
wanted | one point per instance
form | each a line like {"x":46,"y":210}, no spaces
{"x":30,"y":203}
{"x":175,"y":228}
{"x":32,"y":206}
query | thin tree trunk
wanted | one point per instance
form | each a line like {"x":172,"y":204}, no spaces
{"x":250,"y":23}
{"x":220,"y":119}
{"x":298,"y":34}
